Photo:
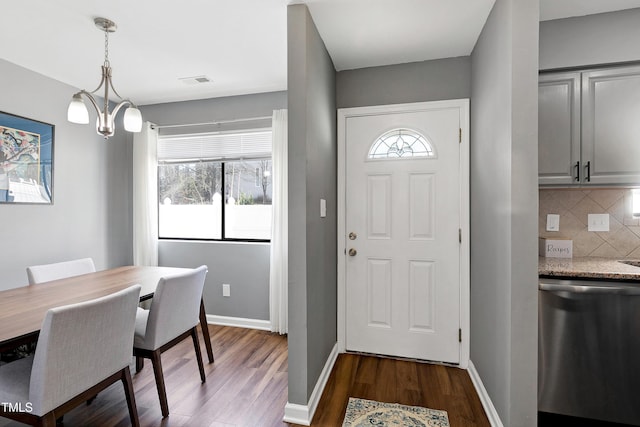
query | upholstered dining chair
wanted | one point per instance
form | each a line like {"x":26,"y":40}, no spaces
{"x":82,"y":349}
{"x":59,"y":270}
{"x":172,"y":317}
{"x":46,"y":272}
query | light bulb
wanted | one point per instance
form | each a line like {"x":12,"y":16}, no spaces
{"x":77,"y":111}
{"x":132,"y":120}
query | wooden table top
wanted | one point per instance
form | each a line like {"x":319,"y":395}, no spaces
{"x":22,"y":310}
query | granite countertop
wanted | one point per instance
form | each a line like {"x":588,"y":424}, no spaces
{"x":588,"y":267}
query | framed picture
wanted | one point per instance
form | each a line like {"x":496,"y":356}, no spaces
{"x":26,"y":160}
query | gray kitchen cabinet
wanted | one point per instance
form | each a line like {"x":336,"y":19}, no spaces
{"x":611,"y":125}
{"x":559,"y":129}
{"x":589,"y":127}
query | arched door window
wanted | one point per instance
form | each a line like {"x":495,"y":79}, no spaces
{"x":401,"y":143}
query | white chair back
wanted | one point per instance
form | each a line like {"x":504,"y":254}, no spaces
{"x":175,"y":307}
{"x":80,"y":345}
{"x":59,"y":270}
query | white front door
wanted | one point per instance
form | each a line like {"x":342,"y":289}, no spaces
{"x":403,"y":224}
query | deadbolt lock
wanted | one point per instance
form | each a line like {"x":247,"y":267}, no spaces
{"x":353,"y":236}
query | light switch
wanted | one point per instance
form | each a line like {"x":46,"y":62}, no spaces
{"x":553,"y":222}
{"x":323,"y":208}
{"x":598,"y":222}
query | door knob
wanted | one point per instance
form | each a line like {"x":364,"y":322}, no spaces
{"x":352,"y":252}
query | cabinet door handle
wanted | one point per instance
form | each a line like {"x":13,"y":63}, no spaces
{"x":588,"y":171}
{"x":577,"y":166}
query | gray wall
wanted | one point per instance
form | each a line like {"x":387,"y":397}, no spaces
{"x":504,"y":209}
{"x":589,"y":40}
{"x":312,"y":176}
{"x":245,"y":266}
{"x":90,"y":216}
{"x":215,"y":109}
{"x":413,"y":82}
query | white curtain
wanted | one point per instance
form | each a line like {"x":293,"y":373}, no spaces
{"x":278,"y":280}
{"x":145,"y":196}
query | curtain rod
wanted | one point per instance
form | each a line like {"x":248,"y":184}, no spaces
{"x":219,"y":122}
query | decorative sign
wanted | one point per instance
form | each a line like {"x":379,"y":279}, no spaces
{"x":555,"y":248}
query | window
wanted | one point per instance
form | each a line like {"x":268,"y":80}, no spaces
{"x":215,"y":186}
{"x":401,"y":143}
{"x":248,"y":199}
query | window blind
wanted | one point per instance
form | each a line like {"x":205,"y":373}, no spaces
{"x":213,"y":146}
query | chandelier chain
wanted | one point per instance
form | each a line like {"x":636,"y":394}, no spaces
{"x":106,"y":48}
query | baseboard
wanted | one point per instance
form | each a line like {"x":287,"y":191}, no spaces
{"x":297,"y":414}
{"x":303,"y":414}
{"x":240,"y":322}
{"x":487,"y":404}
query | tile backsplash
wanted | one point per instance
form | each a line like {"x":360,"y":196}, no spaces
{"x":573,"y":205}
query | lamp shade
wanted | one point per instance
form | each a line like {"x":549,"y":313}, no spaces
{"x":77,"y":111}
{"x":132,"y":120}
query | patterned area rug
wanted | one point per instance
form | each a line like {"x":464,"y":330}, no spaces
{"x":369,"y":413}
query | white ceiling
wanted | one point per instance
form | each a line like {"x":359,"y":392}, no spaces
{"x":366,"y":33}
{"x":241,"y":45}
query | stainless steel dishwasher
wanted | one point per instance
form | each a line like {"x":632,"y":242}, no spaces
{"x":589,"y":349}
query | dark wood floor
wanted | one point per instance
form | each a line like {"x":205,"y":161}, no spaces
{"x":247,"y":386}
{"x":404,"y":382}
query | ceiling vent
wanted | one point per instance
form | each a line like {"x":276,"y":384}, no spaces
{"x":195,"y":80}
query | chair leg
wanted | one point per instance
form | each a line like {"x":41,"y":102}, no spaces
{"x":162,"y":391}
{"x":139,"y":364}
{"x":196,"y":346}
{"x":131,"y":398}
{"x":205,"y":331}
{"x":48,"y":420}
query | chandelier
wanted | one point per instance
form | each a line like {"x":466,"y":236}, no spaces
{"x":77,"y":112}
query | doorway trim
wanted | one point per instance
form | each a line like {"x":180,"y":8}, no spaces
{"x":343,"y":115}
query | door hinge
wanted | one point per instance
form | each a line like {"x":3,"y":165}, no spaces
{"x":460,"y":135}
{"x":460,"y":235}
{"x":459,"y":335}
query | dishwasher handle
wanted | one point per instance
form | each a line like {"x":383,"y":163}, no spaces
{"x":589,"y":289}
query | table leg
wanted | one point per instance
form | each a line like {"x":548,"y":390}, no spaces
{"x":205,"y":331}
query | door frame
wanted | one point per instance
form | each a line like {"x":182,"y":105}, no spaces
{"x":343,"y":115}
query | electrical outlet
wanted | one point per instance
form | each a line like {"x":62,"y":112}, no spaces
{"x":553,"y":222}
{"x":226,"y":290}
{"x":598,"y":222}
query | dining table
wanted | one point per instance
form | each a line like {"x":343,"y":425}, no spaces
{"x":23,"y":309}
